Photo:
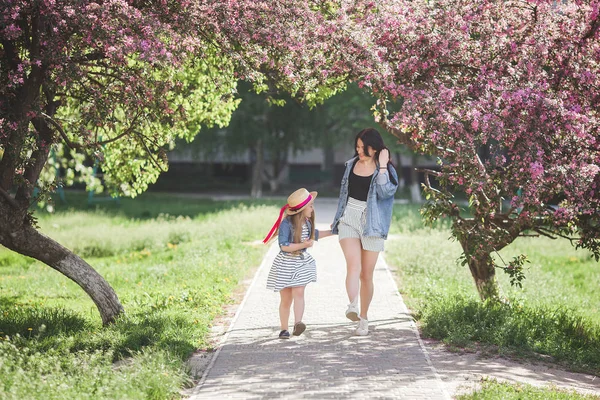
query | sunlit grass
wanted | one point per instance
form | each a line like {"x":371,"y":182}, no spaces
{"x":173,"y":272}
{"x":493,"y":390}
{"x":555,"y":313}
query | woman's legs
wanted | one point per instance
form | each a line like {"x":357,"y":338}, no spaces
{"x":352,"y":252}
{"x":298,"y":296}
{"x":368,"y":261}
{"x":284,"y":307}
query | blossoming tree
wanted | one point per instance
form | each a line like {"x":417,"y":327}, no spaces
{"x":112,"y":79}
{"x":120,"y":80}
{"x":507,"y":95}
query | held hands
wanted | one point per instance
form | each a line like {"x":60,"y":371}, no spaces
{"x":384,"y":157}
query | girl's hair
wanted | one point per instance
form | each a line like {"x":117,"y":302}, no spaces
{"x":297,"y":221}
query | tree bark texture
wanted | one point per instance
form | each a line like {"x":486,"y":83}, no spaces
{"x":482,"y":267}
{"x":17,"y":235}
{"x":483,"y":272}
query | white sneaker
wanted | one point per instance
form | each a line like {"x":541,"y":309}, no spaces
{"x":352,"y":312}
{"x":363,"y":328}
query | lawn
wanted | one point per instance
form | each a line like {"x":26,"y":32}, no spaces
{"x":494,"y":390}
{"x":174,"y":263}
{"x":556,"y":313}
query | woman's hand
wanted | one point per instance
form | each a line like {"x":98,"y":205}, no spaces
{"x":308,"y":243}
{"x":384,"y":157}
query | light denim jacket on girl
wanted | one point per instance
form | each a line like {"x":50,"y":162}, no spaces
{"x":286,"y":232}
{"x":380,"y":201}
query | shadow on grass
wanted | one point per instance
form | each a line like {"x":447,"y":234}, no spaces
{"x":515,"y":328}
{"x":44,"y":328}
{"x":168,"y":332}
{"x":31,"y":322}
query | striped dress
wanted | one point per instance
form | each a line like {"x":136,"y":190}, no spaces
{"x":290,"y":270}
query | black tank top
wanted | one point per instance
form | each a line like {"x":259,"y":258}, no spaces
{"x":358,"y":186}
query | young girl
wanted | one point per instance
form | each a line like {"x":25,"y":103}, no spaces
{"x":294,"y":268}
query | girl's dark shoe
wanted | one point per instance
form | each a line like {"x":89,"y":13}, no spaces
{"x":299,"y":327}
{"x":284,"y":334}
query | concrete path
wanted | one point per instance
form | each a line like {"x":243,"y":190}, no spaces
{"x":327,"y":361}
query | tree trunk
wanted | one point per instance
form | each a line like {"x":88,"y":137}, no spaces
{"x":483,"y":272}
{"x":471,"y":236}
{"x":277,"y":178}
{"x":26,"y":240}
{"x":257,"y":172}
{"x":415,"y":185}
{"x":329,"y":165}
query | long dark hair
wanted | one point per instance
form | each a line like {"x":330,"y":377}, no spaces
{"x":371,"y":137}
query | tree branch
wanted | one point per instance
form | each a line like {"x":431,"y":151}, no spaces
{"x":548,"y":233}
{"x":9,"y":198}
{"x":62,"y":133}
{"x":125,"y":133}
{"x":154,"y":161}
{"x":459,"y":66}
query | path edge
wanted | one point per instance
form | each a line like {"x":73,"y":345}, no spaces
{"x":415,"y":330}
{"x":225,"y":336}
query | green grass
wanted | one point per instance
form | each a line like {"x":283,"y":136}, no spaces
{"x":493,"y":390}
{"x":556,"y":313}
{"x":174,"y":264}
{"x":148,"y":205}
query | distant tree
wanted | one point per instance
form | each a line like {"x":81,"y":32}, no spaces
{"x":337,"y":121}
{"x":267,"y":127}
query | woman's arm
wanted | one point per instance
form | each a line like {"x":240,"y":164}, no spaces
{"x":385,"y":187}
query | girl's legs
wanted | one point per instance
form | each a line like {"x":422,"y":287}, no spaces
{"x":284,"y":307}
{"x":352,"y":252}
{"x":368,"y":261}
{"x":298,"y":296}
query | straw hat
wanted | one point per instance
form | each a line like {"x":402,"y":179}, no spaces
{"x":295,"y":203}
{"x":298,"y":201}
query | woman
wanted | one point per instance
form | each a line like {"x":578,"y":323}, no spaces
{"x":363,"y":219}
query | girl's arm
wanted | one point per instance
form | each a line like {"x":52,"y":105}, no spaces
{"x":297,"y":246}
{"x":323,"y":234}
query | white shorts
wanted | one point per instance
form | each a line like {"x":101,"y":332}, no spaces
{"x":352,"y":225}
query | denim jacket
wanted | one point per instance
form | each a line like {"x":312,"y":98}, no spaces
{"x":286,"y":232}
{"x":380,"y":200}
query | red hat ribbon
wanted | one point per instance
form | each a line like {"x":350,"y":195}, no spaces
{"x":278,"y":222}
{"x":276,"y":225}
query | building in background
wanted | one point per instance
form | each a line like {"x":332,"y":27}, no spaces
{"x":191,"y":171}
